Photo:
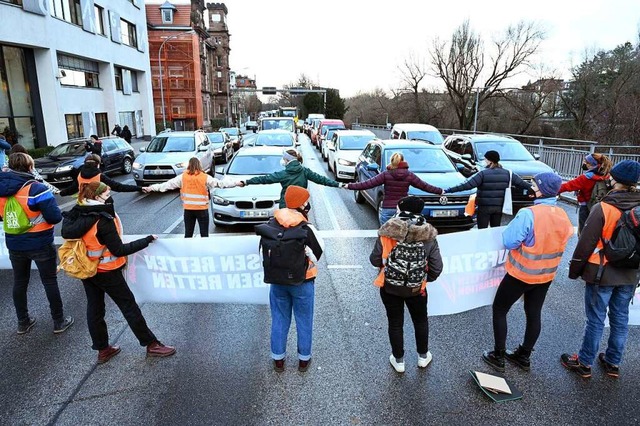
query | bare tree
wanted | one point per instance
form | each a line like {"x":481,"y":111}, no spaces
{"x":412,"y":72}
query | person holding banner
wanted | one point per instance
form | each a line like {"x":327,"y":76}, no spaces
{"x":536,"y":239}
{"x":404,"y":232}
{"x":94,"y":220}
{"x":492,"y":182}
{"x":91,"y":172}
{"x":194,"y":185}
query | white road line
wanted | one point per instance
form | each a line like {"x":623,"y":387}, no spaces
{"x":174,"y":225}
{"x":344,"y":266}
{"x":332,"y":216}
{"x":138,"y":198}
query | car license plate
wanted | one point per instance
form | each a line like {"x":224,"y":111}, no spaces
{"x":254,"y":213}
{"x":444,"y":213}
{"x":155,"y":172}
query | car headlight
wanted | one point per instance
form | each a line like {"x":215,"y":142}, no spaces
{"x":183,"y":165}
{"x":344,"y":162}
{"x":137,"y":165}
{"x":64,"y":169}
{"x":220,"y":201}
{"x":217,"y":151}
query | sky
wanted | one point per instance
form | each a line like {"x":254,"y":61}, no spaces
{"x":357,"y":46}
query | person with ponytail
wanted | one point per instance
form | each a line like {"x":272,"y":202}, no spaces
{"x":90,"y":172}
{"x":95,"y":221}
{"x":596,"y":169}
{"x":396,"y":180}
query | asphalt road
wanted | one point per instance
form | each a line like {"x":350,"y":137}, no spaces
{"x":222,"y":374}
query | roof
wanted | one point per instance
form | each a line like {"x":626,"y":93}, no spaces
{"x":485,"y":137}
{"x":167,"y":5}
{"x":274,"y":131}
{"x":407,"y":143}
{"x":341,"y":132}
{"x":260,"y":150}
{"x":181,"y":134}
{"x":412,"y":127}
{"x":331,"y":121}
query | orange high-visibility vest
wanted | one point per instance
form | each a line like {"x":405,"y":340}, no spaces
{"x":82,"y":180}
{"x":95,"y":250}
{"x":194,"y":192}
{"x":611,"y":217}
{"x":470,"y":208}
{"x":36,"y":218}
{"x":539,"y":263}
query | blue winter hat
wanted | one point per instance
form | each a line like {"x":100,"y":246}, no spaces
{"x":626,"y":172}
{"x":548,"y":183}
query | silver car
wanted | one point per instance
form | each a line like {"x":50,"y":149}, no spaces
{"x":282,"y":138}
{"x":168,"y":154}
{"x":253,"y":203}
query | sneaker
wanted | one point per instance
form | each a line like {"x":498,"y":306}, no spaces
{"x":572,"y":363}
{"x":423,"y":362}
{"x":519,"y":357}
{"x":61,"y":326}
{"x":398,"y":366}
{"x":157,"y":349}
{"x":24,"y":328}
{"x":107,"y":353}
{"x":610,"y":369}
{"x":495,"y":359}
{"x":303,"y":365}
{"x":278,"y":365}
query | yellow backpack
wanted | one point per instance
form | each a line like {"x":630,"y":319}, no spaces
{"x":74,"y":260}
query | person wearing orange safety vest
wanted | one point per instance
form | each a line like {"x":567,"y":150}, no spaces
{"x":91,"y":172}
{"x":35,"y":245}
{"x":536,"y":239}
{"x":609,"y":289}
{"x":194,"y":185}
{"x":94,"y":221}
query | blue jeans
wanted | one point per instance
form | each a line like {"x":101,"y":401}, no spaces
{"x":282,"y":299}
{"x":596,"y":301}
{"x":385,"y":214}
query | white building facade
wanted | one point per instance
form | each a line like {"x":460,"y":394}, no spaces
{"x":73,"y":68}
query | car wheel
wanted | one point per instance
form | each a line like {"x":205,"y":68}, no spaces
{"x":379,"y":206}
{"x":357,"y":195}
{"x":127,"y":166}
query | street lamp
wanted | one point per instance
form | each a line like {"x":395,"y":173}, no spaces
{"x":164,"y":120}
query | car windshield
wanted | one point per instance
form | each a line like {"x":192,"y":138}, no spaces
{"x":69,"y":150}
{"x":288,"y":113}
{"x":233,"y":131}
{"x":215,"y":138}
{"x":274,"y":139}
{"x":255,"y":165}
{"x":508,"y":150}
{"x":278,"y":124}
{"x":423,"y":135}
{"x":353,"y":143}
{"x":172,"y":144}
{"x":423,"y":160}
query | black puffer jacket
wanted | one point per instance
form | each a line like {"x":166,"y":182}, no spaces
{"x":89,"y":172}
{"x":491,"y":184}
{"x":79,"y":220}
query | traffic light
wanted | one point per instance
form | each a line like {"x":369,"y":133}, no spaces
{"x":269,"y":91}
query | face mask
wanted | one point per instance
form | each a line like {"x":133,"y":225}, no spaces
{"x":611,"y":182}
{"x":283,"y":162}
{"x":305,"y":209}
{"x":585,"y":167}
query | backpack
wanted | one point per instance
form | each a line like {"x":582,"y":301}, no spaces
{"x":283,"y":253}
{"x":623,"y":249}
{"x":15,"y":219}
{"x":600,"y":189}
{"x":74,"y":260}
{"x":405,"y":269}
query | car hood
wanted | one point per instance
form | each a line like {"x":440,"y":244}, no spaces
{"x":441,"y":180}
{"x":164,"y":158}
{"x":265,"y":192}
{"x":48,"y":162}
{"x":350,"y":155}
{"x":526,"y":169}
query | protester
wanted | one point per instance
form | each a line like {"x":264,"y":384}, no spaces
{"x":4,"y":148}
{"x":94,"y":146}
{"x":116,"y":130}
{"x":407,"y":226}
{"x":396,"y":180}
{"x":19,"y":148}
{"x":96,"y":223}
{"x":596,"y":169}
{"x":36,"y":244}
{"x":609,"y":290}
{"x":125,"y":134}
{"x":491,"y":182}
{"x":294,"y":173}
{"x":90,"y":172}
{"x":194,"y":185}
{"x":291,"y":270}
{"x":536,"y":239}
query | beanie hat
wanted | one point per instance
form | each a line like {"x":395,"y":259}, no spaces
{"x":493,"y":156}
{"x":411,"y":204}
{"x":295,"y":196}
{"x":548,"y":183}
{"x":626,"y":172}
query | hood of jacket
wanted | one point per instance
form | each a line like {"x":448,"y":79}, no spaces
{"x":293,"y":167}
{"x":623,"y":200}
{"x":288,"y":217}
{"x":12,"y":181}
{"x":88,"y":172}
{"x":403,"y":165}
{"x":79,"y":220}
{"x":399,"y":228}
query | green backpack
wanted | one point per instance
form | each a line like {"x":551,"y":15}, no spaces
{"x":600,"y":189}
{"x":15,"y":219}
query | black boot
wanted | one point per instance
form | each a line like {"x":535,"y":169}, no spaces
{"x":520,"y":357}
{"x":495,"y":359}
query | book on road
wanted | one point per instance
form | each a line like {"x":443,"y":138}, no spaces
{"x":495,"y":387}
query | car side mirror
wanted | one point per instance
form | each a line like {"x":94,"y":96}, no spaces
{"x":460,"y":167}
{"x":143,"y":149}
{"x":202,"y":148}
{"x":373,"y":167}
{"x":536,"y":156}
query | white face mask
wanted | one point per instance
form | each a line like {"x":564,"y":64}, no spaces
{"x":283,"y":162}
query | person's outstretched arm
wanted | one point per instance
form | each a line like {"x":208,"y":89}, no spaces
{"x":369,"y":183}
{"x":117,"y":186}
{"x":170,"y":185}
{"x":319,"y":179}
{"x":276,"y":177}
{"x":415,"y":181}
{"x":473,"y":182}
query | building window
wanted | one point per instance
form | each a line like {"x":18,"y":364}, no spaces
{"x":167,"y":16}
{"x":218,"y":39}
{"x":67,"y":10}
{"x":99,"y":13}
{"x":74,"y":125}
{"x":118,"y":75}
{"x":78,"y":72}
{"x":219,"y":86}
{"x":102,"y":124}
{"x":134,"y":81}
{"x":218,"y":61}
{"x":128,"y":33}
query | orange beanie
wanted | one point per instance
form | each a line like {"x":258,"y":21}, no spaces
{"x":295,"y":196}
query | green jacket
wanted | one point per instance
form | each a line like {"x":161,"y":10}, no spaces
{"x":293,"y":174}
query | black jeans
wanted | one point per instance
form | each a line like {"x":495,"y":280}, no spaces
{"x":190,"y":217}
{"x":113,"y":284}
{"x":583,"y":214}
{"x":45,"y":259}
{"x":417,"y":306}
{"x":488,"y":218}
{"x":508,"y":293}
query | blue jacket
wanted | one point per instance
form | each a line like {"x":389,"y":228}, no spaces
{"x":40,"y":199}
{"x":4,"y":146}
{"x":520,"y":229}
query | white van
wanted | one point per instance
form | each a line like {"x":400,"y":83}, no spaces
{"x":424,"y":132}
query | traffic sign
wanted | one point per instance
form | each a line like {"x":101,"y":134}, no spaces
{"x":269,"y":91}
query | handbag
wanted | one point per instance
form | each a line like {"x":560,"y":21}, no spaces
{"x":507,"y":206}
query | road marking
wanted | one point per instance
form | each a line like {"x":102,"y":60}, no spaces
{"x":138,"y":198}
{"x":174,"y":225}
{"x":332,"y":216}
{"x":344,"y":266}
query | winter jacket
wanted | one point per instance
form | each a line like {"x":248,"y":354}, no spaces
{"x":583,"y":185}
{"x":396,"y":229}
{"x":4,"y":148}
{"x":591,"y":233}
{"x":40,"y":199}
{"x":396,"y":184}
{"x":491,"y":184}
{"x":293,"y":174}
{"x":79,"y":220}
{"x":126,"y":135}
{"x":89,"y":172}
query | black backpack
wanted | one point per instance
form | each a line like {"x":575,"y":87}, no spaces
{"x":406,"y":269}
{"x":283,"y":253}
{"x":600,"y":189}
{"x":623,"y":249}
